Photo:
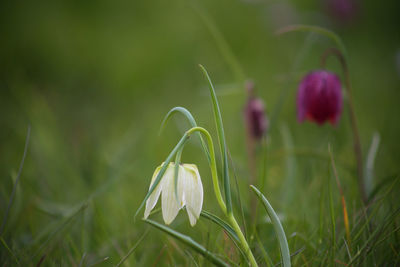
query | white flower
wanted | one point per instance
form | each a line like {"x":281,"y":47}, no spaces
{"x":189,"y":192}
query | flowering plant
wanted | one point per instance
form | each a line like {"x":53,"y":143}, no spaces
{"x":180,"y":186}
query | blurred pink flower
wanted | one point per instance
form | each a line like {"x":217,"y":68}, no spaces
{"x":256,"y":120}
{"x":319,"y":98}
{"x":343,"y":10}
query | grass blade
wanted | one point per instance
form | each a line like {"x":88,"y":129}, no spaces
{"x":280,"y":233}
{"x":333,"y":220}
{"x":369,"y":244}
{"x":222,"y":44}
{"x":238,"y":195}
{"x":222,"y":141}
{"x":99,"y":262}
{"x":82,"y":260}
{"x":189,"y":242}
{"x":369,"y":166}
{"x":56,"y":233}
{"x":378,"y":207}
{"x":3,"y":224}
{"x":9,"y":250}
{"x":290,"y":166}
{"x":392,"y":180}
{"x":265,"y":254}
{"x":224,"y":225}
{"x":132,"y":249}
{"x":344,"y":206}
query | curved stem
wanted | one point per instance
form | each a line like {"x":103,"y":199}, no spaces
{"x":230,"y":216}
{"x":251,"y":153}
{"x":191,"y":120}
{"x":319,"y":30}
{"x":213,"y":164}
{"x":353,"y":120}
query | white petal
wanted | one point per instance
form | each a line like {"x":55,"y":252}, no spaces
{"x":169,"y":204}
{"x":152,"y":200}
{"x":181,"y":187}
{"x":193,"y":192}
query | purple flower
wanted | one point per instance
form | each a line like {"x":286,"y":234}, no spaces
{"x":343,"y":10}
{"x":256,"y":121}
{"x":319,"y":98}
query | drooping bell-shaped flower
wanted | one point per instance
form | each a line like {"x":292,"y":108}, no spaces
{"x":189,"y":191}
{"x":255,"y":117}
{"x":319,"y":97}
{"x":254,"y":114}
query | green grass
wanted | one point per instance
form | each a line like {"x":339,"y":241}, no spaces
{"x":84,"y":88}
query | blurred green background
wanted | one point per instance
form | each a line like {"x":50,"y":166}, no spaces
{"x":95,"y":78}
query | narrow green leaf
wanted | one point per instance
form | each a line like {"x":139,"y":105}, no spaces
{"x":221,"y":140}
{"x":217,"y":220}
{"x":224,"y":225}
{"x":178,"y":146}
{"x":191,"y":120}
{"x":371,"y":241}
{"x":132,"y":249}
{"x":189,"y":242}
{"x":99,"y":261}
{"x":321,"y":213}
{"x":10,"y":202}
{"x":369,"y":166}
{"x":392,"y":179}
{"x":265,"y":254}
{"x":9,"y":250}
{"x":190,"y":256}
{"x":333,"y":220}
{"x":222,"y":44}
{"x":378,"y":207}
{"x":238,"y":195}
{"x":280,"y":233}
{"x":82,"y":259}
{"x":57,"y":232}
{"x":291,"y":166}
{"x":214,"y":218}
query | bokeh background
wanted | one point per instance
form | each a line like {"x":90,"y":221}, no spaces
{"x":94,"y":79}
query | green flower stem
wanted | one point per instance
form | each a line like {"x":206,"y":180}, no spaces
{"x":319,"y":30}
{"x":213,"y":164}
{"x":353,"y":120}
{"x":245,"y":246}
{"x":229,"y":215}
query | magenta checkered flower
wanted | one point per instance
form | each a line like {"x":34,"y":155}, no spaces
{"x":319,"y":98}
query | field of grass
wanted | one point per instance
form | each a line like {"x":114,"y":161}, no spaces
{"x":84,"y":88}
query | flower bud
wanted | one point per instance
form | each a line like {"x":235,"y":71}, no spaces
{"x":319,"y":97}
{"x":344,"y":11}
{"x":256,"y":121}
